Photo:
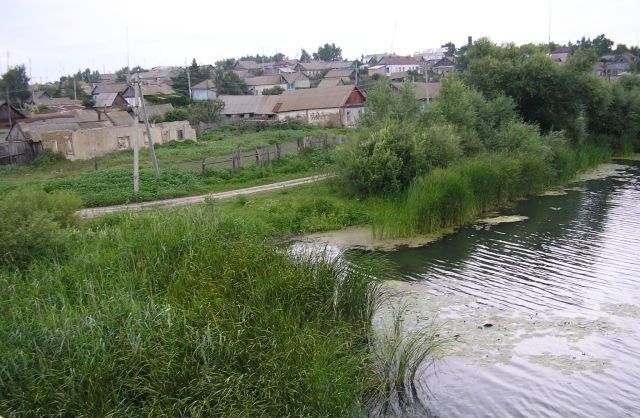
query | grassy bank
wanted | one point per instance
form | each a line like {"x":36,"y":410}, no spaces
{"x":452,"y":196}
{"x":177,"y":313}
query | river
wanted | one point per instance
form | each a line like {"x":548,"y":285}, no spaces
{"x":543,"y":314}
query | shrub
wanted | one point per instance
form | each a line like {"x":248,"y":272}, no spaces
{"x":46,"y":157}
{"x":176,"y":115}
{"x":35,"y":225}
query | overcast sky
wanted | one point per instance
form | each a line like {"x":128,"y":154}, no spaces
{"x":62,"y":36}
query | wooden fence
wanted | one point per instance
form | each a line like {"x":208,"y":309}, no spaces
{"x":263,"y":156}
{"x":15,"y":152}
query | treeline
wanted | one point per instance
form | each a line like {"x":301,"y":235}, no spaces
{"x":514,"y":123}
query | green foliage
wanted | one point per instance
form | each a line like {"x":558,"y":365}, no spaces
{"x":88,"y":101}
{"x":228,"y":82}
{"x":187,"y":313}
{"x":34,"y":225}
{"x":176,"y":115}
{"x":273,"y":91}
{"x":304,"y":56}
{"x":46,"y":157}
{"x":17,"y":82}
{"x":205,"y":111}
{"x":328,"y":52}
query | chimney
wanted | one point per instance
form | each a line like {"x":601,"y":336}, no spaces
{"x":470,"y":41}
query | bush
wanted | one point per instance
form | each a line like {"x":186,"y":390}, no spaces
{"x":46,"y":157}
{"x":35,"y":225}
{"x":176,"y":115}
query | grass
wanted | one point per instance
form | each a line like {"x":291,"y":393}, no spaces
{"x":452,"y":196}
{"x":183,"y":313}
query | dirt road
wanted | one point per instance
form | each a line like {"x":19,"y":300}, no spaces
{"x":190,"y":200}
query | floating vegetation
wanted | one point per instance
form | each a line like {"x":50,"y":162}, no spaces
{"x":503,"y":219}
{"x":600,"y":172}
{"x":552,"y":193}
{"x":570,"y":364}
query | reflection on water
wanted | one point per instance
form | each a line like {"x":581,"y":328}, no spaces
{"x":547,"y":310}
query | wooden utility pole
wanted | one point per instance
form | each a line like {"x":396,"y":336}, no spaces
{"x":136,"y":151}
{"x":75,"y":96}
{"x":189,"y":82}
{"x":152,"y":151}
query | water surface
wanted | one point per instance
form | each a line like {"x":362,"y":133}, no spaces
{"x":545,"y":312}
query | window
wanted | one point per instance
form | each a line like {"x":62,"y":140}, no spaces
{"x":180,"y":134}
{"x":123,"y":142}
{"x":68,"y":146}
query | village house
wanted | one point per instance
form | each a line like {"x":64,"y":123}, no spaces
{"x":424,"y":92}
{"x":107,"y":78}
{"x":256,"y":85}
{"x":313,"y":68}
{"x":346,"y":75}
{"x":110,"y":100}
{"x":102,"y":88}
{"x":330,"y":106}
{"x":84,"y":134}
{"x":245,"y":65}
{"x":561,"y":55}
{"x":204,"y":90}
{"x":400,"y":77}
{"x":615,"y":65}
{"x":9,"y":115}
{"x":443,"y":66}
{"x":297,"y":81}
{"x":394,"y":64}
{"x":155,"y":111}
{"x":330,"y":82}
{"x":158,"y":75}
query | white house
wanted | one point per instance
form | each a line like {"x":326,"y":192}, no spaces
{"x":205,"y":90}
{"x":395,"y":64}
{"x":256,"y":85}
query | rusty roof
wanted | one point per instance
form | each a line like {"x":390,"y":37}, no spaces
{"x":266,"y":80}
{"x":318,"y":98}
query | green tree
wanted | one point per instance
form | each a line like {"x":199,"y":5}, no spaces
{"x":328,"y":53}
{"x":602,"y":45}
{"x":273,"y":91}
{"x":451,"y":49}
{"x":304,"y":56}
{"x":228,"y":82}
{"x":16,"y":82}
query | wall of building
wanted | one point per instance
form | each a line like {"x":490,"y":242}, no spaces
{"x":89,"y":143}
{"x":346,"y":116}
{"x":258,"y":89}
{"x":202,"y":94}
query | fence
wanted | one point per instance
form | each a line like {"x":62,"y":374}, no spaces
{"x":15,"y":152}
{"x":263,"y":156}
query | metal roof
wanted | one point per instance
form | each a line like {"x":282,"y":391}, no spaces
{"x":252,"y":104}
{"x":204,"y":85}
{"x":339,"y":73}
{"x":330,"y":82}
{"x":265,"y":80}
{"x":318,"y":98}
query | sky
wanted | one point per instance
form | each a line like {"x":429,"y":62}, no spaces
{"x":59,"y":37}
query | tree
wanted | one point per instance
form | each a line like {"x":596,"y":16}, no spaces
{"x":328,"y":53}
{"x":205,"y":111}
{"x":602,"y":45}
{"x":621,"y":49}
{"x":181,"y":81}
{"x":273,"y":91}
{"x":304,"y":56}
{"x":16,"y":81}
{"x":228,"y":82}
{"x":176,"y":115}
{"x":451,"y":49}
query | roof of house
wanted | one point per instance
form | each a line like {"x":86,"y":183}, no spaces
{"x":205,"y":85}
{"x":110,"y":87}
{"x":304,"y":99}
{"x":111,"y":77}
{"x":399,"y":75}
{"x":156,"y":110}
{"x":444,"y":62}
{"x":293,"y":77}
{"x":563,"y":50}
{"x":252,"y":104}
{"x":339,"y":73}
{"x":420,"y":89}
{"x":158,"y":72}
{"x":154,"y":89}
{"x":266,"y":80}
{"x":247,"y":65}
{"x":314,"y":65}
{"x":340,"y":64}
{"x":34,"y":127}
{"x":106,"y":99}
{"x":398,"y":60}
{"x":330,"y":82}
{"x":324,"y":98}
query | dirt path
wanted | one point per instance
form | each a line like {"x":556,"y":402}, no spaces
{"x":190,"y":200}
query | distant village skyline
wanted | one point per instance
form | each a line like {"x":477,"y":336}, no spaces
{"x":67,"y":37}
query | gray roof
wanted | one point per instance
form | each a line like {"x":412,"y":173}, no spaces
{"x":34,"y":127}
{"x":205,"y":85}
{"x":240,"y":105}
{"x":111,"y":87}
{"x":339,"y":73}
{"x":106,"y":99}
{"x":330,"y":82}
{"x":292,"y":77}
{"x":324,"y":98}
{"x":266,"y":80}
{"x":247,"y":65}
{"x":420,"y":89}
{"x":156,"y":110}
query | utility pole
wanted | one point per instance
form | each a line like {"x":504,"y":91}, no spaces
{"x":357,"y":70}
{"x":9,"y":108}
{"x":75,"y":96}
{"x":136,"y":152}
{"x":152,"y":151}
{"x":189,"y":81}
